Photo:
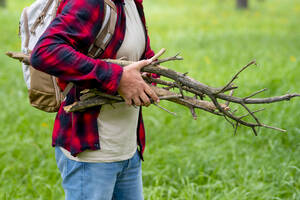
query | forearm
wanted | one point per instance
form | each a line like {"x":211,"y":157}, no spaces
{"x":61,"y":49}
{"x":70,"y":65}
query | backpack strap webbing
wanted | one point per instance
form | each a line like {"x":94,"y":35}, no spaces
{"x":42,"y":16}
{"x":67,"y":90}
{"x":107,"y":30}
{"x":27,"y":34}
{"x":56,"y":7}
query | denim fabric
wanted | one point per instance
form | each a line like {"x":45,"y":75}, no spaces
{"x":101,"y":181}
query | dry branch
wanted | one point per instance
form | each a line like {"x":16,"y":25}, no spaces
{"x":25,"y":58}
{"x":184,"y":85}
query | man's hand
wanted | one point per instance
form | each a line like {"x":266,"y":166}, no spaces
{"x":132,"y":86}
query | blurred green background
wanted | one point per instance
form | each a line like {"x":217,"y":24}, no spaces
{"x":184,"y":159}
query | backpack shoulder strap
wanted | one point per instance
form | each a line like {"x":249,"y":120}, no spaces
{"x":26,"y":28}
{"x":67,"y":90}
{"x":56,"y":7}
{"x":41,"y":17}
{"x":107,"y":30}
{"x":111,"y":4}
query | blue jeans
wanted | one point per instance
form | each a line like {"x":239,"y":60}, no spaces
{"x":101,"y":181}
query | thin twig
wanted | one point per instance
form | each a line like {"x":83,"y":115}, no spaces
{"x":156,"y":56}
{"x":236,"y":76}
{"x":236,"y":127}
{"x":252,"y":114}
{"x":176,"y":57}
{"x":172,"y":113}
{"x":226,"y":118}
{"x":230,"y":94}
{"x":254,"y":130}
{"x":255,"y":93}
{"x":180,"y":89}
{"x":243,"y":116}
{"x":272,"y":127}
{"x":192,"y":109}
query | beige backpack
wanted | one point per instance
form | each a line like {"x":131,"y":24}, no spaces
{"x":44,"y":92}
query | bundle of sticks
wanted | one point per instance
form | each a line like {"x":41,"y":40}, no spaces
{"x":186,"y":91}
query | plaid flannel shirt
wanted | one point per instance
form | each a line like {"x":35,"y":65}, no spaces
{"x":61,"y":51}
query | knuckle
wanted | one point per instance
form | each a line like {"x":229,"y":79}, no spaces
{"x":153,"y":95}
{"x":147,"y":88}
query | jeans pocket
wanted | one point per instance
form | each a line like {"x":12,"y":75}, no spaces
{"x":66,"y":166}
{"x":61,"y":161}
{"x":136,"y":160}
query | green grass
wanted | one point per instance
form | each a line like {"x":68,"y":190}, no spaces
{"x":185,"y":159}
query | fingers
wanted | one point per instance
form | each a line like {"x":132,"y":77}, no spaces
{"x":137,"y":101}
{"x":140,"y":64}
{"x":151,"y":94}
{"x":133,"y":88}
{"x":145,"y":99}
{"x":128,"y":101}
{"x":142,"y":99}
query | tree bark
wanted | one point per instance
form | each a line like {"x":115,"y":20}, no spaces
{"x":3,"y":3}
{"x":242,"y":4}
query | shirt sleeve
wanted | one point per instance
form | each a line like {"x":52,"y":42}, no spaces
{"x":61,"y":49}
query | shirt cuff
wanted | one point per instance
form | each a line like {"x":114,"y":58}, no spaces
{"x":109,"y":83}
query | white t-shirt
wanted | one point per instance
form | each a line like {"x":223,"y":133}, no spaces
{"x":117,"y":123}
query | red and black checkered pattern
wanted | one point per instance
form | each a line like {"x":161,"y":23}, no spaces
{"x":61,"y":52}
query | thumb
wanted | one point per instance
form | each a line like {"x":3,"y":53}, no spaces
{"x":142,"y":63}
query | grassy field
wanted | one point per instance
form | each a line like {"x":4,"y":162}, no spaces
{"x":185,"y":159}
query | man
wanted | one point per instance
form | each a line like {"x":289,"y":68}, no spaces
{"x":96,"y":150}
